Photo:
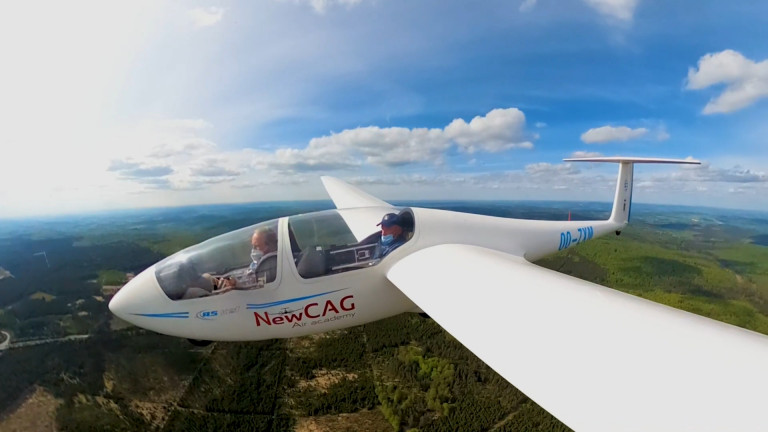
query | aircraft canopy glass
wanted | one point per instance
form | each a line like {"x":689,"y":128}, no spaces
{"x":336,"y":241}
{"x":240,"y":260}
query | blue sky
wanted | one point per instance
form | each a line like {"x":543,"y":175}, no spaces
{"x":151,"y":103}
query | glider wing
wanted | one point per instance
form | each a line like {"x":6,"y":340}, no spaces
{"x":346,"y":196}
{"x":596,"y":358}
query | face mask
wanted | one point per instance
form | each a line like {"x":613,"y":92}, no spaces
{"x":256,"y":255}
{"x":387,"y":239}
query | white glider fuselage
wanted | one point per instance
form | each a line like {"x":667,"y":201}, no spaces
{"x":292,"y":305}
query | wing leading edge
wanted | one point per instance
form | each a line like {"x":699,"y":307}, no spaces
{"x":596,"y":358}
{"x":361,"y":222}
{"x":346,"y":196}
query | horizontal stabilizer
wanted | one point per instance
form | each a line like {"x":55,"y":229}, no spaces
{"x":622,"y":201}
{"x":620,"y":159}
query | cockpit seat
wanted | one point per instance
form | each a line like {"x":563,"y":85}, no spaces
{"x":311,"y":262}
{"x":407,"y":223}
{"x":266,"y":269}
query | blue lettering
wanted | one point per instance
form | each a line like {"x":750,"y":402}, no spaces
{"x":567,"y":239}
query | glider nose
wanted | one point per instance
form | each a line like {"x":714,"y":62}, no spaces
{"x":139,"y":296}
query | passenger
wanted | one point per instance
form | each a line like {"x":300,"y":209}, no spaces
{"x":391,"y":235}
{"x":263,"y":258}
{"x":264,"y":254}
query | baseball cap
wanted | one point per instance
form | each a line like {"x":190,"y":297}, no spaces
{"x":389,"y":220}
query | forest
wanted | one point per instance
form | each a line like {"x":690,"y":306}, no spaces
{"x":404,"y":373}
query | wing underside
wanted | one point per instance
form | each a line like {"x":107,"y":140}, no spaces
{"x":596,"y":358}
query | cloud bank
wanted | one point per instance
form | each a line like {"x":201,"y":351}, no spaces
{"x":177,"y":155}
{"x":499,"y":130}
{"x":745,"y":80}
{"x":606,"y":134}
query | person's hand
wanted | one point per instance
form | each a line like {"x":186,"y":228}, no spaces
{"x":225,"y":284}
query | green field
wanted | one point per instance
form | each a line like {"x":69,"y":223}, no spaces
{"x":727,"y":281}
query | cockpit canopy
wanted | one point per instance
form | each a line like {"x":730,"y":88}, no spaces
{"x":336,"y":241}
{"x":193,"y":272}
{"x":321,"y":243}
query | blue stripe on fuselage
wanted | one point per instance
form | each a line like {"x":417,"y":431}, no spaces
{"x":287,"y":301}
{"x":165,"y":315}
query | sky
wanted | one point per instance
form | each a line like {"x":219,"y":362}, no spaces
{"x":109,"y":105}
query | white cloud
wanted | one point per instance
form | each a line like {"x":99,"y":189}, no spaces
{"x":138,"y":171}
{"x":746,"y":81}
{"x":497,"y":131}
{"x":213,"y":169}
{"x":543,"y":169}
{"x":622,"y":10}
{"x":206,"y":17}
{"x":706,"y":173}
{"x":606,"y":134}
{"x":173,"y":154}
{"x":527,"y":5}
{"x":586,"y":154}
{"x":182,"y":145}
{"x":540,"y":125}
{"x":271,"y":181}
{"x":500,"y":129}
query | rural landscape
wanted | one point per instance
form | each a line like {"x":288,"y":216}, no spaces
{"x":67,"y":364}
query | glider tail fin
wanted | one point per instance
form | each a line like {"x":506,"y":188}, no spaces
{"x":622,"y":201}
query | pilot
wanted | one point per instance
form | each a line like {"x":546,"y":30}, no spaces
{"x":263,"y":267}
{"x":391,"y":234}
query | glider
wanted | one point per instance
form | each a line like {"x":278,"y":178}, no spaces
{"x":596,"y":358}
